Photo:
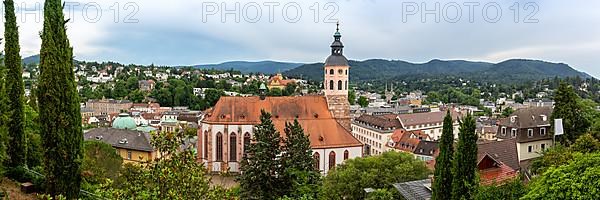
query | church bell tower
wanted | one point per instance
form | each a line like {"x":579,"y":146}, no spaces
{"x":335,"y":82}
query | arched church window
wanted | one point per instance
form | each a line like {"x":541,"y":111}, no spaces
{"x":331,"y":160}
{"x":205,"y":144}
{"x":246,"y":141}
{"x":340,"y":71}
{"x":219,"y":146}
{"x":233,"y":147}
{"x":339,"y":85}
{"x":331,"y":71}
{"x":330,"y":84}
{"x":317,"y":158}
{"x":346,"y":154}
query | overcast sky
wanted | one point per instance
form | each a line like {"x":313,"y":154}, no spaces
{"x":184,"y":32}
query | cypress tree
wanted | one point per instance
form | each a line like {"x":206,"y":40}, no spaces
{"x":17,"y":150}
{"x":261,"y":165}
{"x":464,"y":168}
{"x":3,"y":117}
{"x":59,"y":112}
{"x":298,"y":154}
{"x":442,"y":184}
{"x":566,"y":107}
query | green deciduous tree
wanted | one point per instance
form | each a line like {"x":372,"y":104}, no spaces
{"x":512,"y":190}
{"x":174,"y":174}
{"x":586,"y":144}
{"x":464,"y":166}
{"x":349,"y":179}
{"x":60,"y":118}
{"x":17,"y":150}
{"x":100,"y":161}
{"x":351,"y":97}
{"x":568,"y":108}
{"x":442,"y":185}
{"x":261,"y":166}
{"x":552,"y":157}
{"x":579,"y":179}
{"x":381,"y":194}
{"x":363,"y":101}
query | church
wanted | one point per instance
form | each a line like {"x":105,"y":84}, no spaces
{"x":228,"y":127}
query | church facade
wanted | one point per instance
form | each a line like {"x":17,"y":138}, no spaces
{"x":229,"y":126}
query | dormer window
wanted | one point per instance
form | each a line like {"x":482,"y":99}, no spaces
{"x":123,"y":141}
{"x":503,"y":131}
{"x":513,"y":119}
{"x":544,"y":117}
{"x":513,"y":133}
{"x":542,"y":131}
{"x":529,"y":132}
{"x":99,"y":137}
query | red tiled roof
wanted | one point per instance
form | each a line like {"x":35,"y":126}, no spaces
{"x":312,"y":113}
{"x":403,"y":141}
{"x":492,"y":171}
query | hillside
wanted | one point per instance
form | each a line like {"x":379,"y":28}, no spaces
{"x":35,"y":59}
{"x":515,"y":70}
{"x":268,"y":67}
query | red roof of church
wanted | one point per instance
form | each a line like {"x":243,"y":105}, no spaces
{"x":312,"y":113}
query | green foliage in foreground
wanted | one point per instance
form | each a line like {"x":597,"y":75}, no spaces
{"x":579,"y":179}
{"x":59,"y":106}
{"x":508,"y":191}
{"x":348,"y":181}
{"x":464,"y":166}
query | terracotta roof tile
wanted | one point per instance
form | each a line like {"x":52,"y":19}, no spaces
{"x":381,"y":122}
{"x":311,"y":111}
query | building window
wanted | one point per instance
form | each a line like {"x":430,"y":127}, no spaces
{"x":346,"y":83}
{"x":340,"y":71}
{"x":246,"y":141}
{"x":219,"y":147}
{"x":346,"y":154}
{"x":529,"y":148}
{"x":233,"y":147}
{"x":529,"y":132}
{"x":346,"y":72}
{"x":331,"y":71}
{"x":543,"y":146}
{"x":331,"y":84}
{"x":542,"y":131}
{"x":339,"y":85}
{"x":317,"y":159}
{"x":206,"y":144}
{"x":331,"y":160}
{"x":128,"y":155}
{"x":513,"y":133}
{"x":503,"y":131}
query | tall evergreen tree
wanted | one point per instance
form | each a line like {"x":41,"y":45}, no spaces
{"x":464,"y":166}
{"x":3,"y":117}
{"x":298,"y":154}
{"x":59,"y":112}
{"x":300,"y":179}
{"x":261,"y":165}
{"x":568,"y":109}
{"x":17,"y":150}
{"x":442,"y":184}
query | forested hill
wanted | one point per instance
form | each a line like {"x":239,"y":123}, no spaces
{"x":515,"y":70}
{"x":268,"y":67}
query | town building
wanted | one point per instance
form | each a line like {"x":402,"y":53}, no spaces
{"x":146,"y":85}
{"x":228,"y":128}
{"x":531,"y":128}
{"x":429,"y":123}
{"x":132,"y":145}
{"x":278,"y":82}
{"x":108,"y":106}
{"x":374,"y":131}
